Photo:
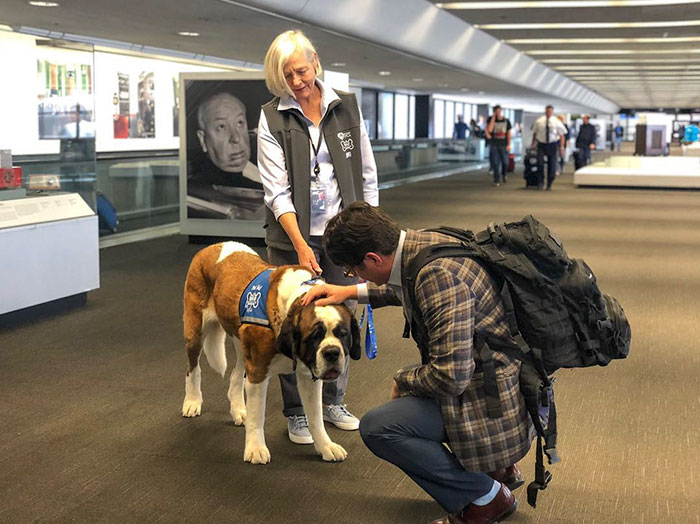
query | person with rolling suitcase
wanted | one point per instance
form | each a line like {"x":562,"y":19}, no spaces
{"x":585,"y":142}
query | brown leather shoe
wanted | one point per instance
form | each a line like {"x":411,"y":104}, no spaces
{"x":500,"y":508}
{"x":509,"y":476}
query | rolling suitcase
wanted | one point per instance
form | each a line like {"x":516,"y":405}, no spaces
{"x":530,"y":174}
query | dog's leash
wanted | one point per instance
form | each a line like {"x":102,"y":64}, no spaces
{"x":371,"y":334}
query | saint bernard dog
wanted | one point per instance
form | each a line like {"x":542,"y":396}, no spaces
{"x":314,"y":342}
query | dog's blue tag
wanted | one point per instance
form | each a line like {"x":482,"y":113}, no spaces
{"x":370,"y":335}
{"x":253,"y":304}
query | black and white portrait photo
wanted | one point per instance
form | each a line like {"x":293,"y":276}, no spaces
{"x":223,"y":181}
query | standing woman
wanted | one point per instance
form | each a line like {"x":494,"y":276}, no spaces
{"x":314,"y":158}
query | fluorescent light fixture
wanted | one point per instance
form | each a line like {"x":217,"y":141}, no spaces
{"x":338,"y":64}
{"x":626,"y":67}
{"x":420,"y":80}
{"x":649,"y":40}
{"x":613,"y":52}
{"x":187,"y":33}
{"x":590,"y":25}
{"x":44,"y":4}
{"x":548,"y":4}
{"x":384,"y":73}
{"x":618,"y":60}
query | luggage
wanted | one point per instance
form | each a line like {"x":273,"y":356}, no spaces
{"x":107,"y":215}
{"x":511,"y":163}
{"x":530,"y":175}
{"x":556,"y":314}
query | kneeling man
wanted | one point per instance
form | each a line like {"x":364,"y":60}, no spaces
{"x":442,"y":400}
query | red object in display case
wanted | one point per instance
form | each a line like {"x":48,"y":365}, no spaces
{"x":10,"y":177}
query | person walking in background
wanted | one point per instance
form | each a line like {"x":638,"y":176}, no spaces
{"x":585,"y":141}
{"x":548,"y":135}
{"x":498,"y":133}
{"x":460,"y":129}
{"x":315,"y":158}
{"x":619,"y":133}
{"x":562,"y":157}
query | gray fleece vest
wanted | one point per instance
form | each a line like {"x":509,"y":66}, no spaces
{"x":341,"y":132}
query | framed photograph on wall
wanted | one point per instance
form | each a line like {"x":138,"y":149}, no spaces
{"x":221,"y":193}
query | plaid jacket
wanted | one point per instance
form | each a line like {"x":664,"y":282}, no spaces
{"x":456,"y":296}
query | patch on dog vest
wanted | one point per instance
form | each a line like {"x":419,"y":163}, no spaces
{"x":253,"y":305}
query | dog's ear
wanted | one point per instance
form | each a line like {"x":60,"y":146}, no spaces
{"x":289,"y":337}
{"x":355,"y":351}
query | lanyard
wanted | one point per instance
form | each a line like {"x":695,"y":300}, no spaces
{"x":316,"y":147}
{"x":371,"y":335}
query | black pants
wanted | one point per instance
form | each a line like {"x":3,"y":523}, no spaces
{"x":550,"y":151}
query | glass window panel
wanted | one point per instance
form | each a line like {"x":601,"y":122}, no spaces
{"x":412,"y":117}
{"x":400,"y":117}
{"x":439,"y":119}
{"x":369,"y":112}
{"x":386,"y":116}
{"x":449,"y":118}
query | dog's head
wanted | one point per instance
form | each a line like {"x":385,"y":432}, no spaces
{"x":321,"y":337}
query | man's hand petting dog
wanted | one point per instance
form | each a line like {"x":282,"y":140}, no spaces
{"x":328,"y":294}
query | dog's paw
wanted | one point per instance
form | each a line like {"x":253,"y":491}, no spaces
{"x":333,"y":452}
{"x":257,"y":454}
{"x":191,"y":408}
{"x":239,"y":416}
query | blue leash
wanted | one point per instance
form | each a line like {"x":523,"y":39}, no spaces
{"x":371,"y":335}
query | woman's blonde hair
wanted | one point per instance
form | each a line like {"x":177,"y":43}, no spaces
{"x":281,"y":48}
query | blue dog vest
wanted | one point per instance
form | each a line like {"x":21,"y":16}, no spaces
{"x":253,"y":305}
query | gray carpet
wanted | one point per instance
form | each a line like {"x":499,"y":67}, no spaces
{"x":91,"y":428}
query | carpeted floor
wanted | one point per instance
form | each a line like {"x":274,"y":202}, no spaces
{"x":91,"y":428}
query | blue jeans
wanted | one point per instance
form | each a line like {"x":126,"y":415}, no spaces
{"x":499,"y":161}
{"x":618,"y":142}
{"x":409,"y":433}
{"x":585,"y":154}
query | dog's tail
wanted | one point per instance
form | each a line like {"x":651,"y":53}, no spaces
{"x":214,"y":342}
{"x":202,"y":327}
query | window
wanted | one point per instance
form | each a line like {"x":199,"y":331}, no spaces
{"x":386,"y":116}
{"x":412,"y":117}
{"x":438,"y":119}
{"x":401,"y":117}
{"x":449,"y":118}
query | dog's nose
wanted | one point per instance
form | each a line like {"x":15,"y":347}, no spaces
{"x":331,"y":354}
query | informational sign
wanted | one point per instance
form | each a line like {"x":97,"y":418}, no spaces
{"x":26,"y":211}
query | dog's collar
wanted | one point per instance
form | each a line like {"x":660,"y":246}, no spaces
{"x":315,"y":281}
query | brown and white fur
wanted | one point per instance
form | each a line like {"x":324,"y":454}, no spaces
{"x":320,"y":338}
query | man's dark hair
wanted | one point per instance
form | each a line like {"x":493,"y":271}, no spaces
{"x":357,"y":230}
{"x":549,"y":107}
{"x":497,"y":107}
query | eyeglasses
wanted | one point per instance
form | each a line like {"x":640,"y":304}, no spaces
{"x":349,"y":272}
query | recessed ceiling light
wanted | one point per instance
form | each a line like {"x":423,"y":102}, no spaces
{"x":187,"y":33}
{"x":481,"y":92}
{"x":417,"y":79}
{"x":44,"y":4}
{"x":443,"y":85}
{"x":338,"y":64}
{"x":464,"y":89}
{"x":548,"y":4}
{"x":590,"y":25}
{"x":384,"y":73}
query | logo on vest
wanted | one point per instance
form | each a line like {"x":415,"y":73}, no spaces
{"x":346,"y":141}
{"x":252,"y":299}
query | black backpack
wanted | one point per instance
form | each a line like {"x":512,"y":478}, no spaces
{"x":557,"y":316}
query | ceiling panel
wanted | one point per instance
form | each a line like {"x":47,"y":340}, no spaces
{"x":238,"y":33}
{"x":670,"y":53}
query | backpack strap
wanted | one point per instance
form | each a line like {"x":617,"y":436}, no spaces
{"x":488,"y":368}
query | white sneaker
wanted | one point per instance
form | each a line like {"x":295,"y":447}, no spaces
{"x":298,"y":429}
{"x":340,"y":417}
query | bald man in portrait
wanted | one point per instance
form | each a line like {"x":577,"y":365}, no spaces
{"x":225,"y":184}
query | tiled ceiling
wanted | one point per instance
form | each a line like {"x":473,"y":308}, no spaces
{"x":635,"y":55}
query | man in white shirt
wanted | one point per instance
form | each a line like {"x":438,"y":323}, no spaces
{"x":548,"y":133}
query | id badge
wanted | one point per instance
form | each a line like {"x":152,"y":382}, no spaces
{"x":318,"y":197}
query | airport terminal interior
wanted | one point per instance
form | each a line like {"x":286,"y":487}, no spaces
{"x":112,"y":182}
